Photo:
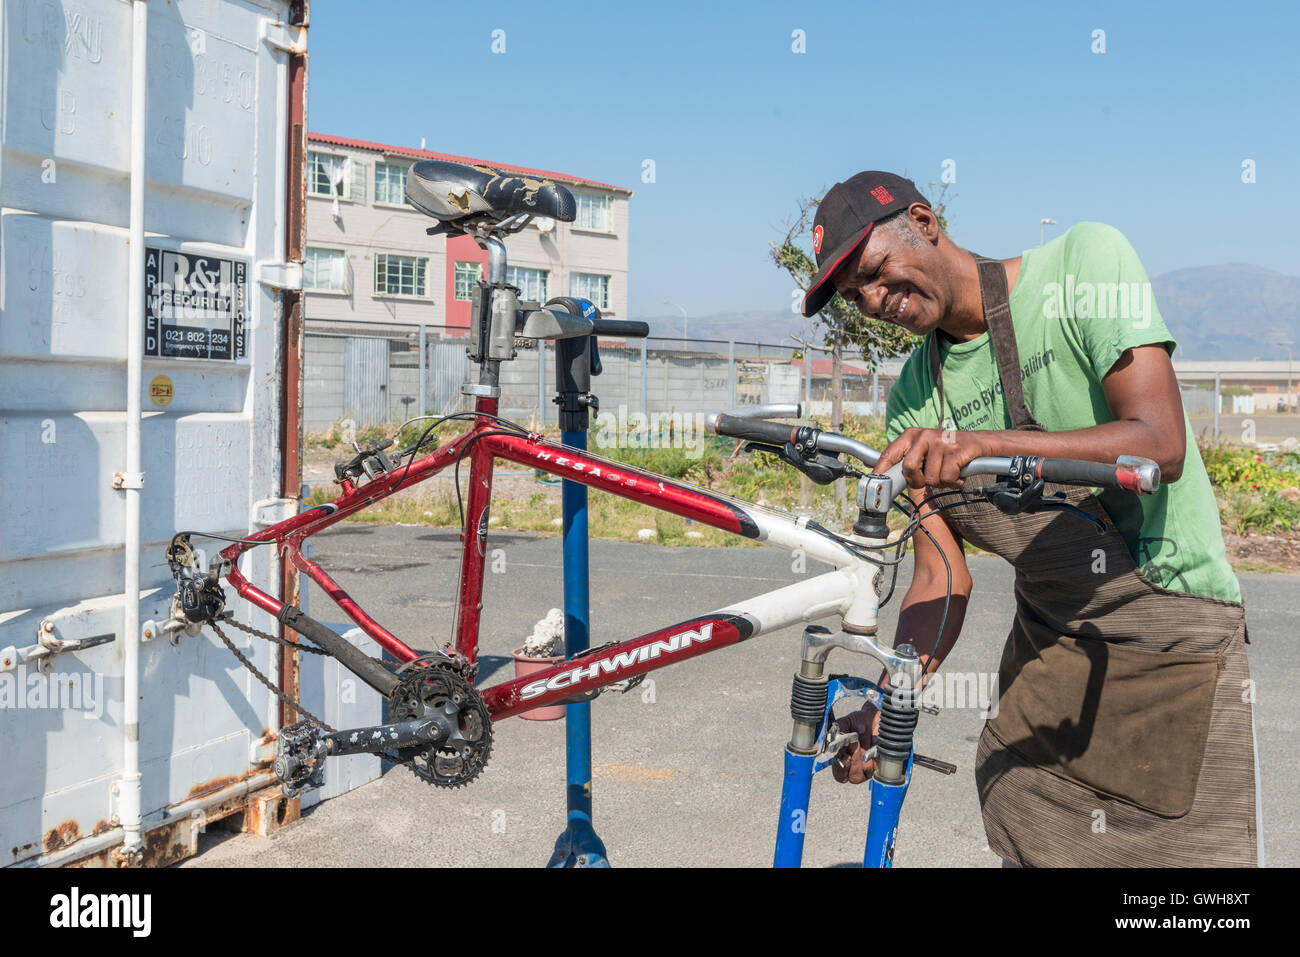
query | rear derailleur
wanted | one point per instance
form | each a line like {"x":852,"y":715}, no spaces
{"x":439,"y":727}
{"x":199,"y":597}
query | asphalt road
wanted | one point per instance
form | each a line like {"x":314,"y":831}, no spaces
{"x":1271,"y":427}
{"x":690,"y":774}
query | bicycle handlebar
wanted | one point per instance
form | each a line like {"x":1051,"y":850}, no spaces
{"x":629,"y":328}
{"x":752,"y":429}
{"x":1129,"y":472}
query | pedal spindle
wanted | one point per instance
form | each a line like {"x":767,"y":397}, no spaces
{"x":300,"y":753}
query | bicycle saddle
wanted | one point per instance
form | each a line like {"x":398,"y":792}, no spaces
{"x":454,"y":192}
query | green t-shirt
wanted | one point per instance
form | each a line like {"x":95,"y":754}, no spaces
{"x":1078,"y":303}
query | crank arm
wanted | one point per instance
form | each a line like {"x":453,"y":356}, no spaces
{"x":415,"y":732}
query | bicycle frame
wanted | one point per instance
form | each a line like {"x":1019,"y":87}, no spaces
{"x":847,"y":591}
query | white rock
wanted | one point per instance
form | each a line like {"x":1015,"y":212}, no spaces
{"x":494,"y":520}
{"x":557,"y":522}
{"x":548,"y":636}
{"x":694,"y":534}
{"x":645,"y":534}
{"x":428,"y":514}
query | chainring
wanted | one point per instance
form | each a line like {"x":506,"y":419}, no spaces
{"x":440,"y":688}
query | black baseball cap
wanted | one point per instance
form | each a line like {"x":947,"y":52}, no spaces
{"x":844,"y":220}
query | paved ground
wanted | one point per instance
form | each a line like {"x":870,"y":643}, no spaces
{"x":1269,"y":427}
{"x":690,"y":775}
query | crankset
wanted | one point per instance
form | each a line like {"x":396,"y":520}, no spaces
{"x":437,"y":692}
{"x":438,"y":726}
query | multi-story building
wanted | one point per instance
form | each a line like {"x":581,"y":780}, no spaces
{"x":368,"y":259}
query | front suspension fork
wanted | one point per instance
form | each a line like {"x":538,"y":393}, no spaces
{"x":811,"y":700}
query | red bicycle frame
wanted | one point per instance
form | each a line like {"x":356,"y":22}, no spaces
{"x":485,"y":442}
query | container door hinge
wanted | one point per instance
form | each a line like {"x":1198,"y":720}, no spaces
{"x":280,"y":275}
{"x":123,"y":480}
{"x":279,"y":35}
{"x":48,"y":644}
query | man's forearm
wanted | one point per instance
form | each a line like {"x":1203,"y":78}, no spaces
{"x":1098,"y":443}
{"x":920,"y":616}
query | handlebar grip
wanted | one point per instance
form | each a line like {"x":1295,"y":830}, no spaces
{"x":1073,"y":472}
{"x":629,"y":328}
{"x":754,"y":430}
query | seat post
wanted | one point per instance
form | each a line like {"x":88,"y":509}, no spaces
{"x":496,"y":264}
{"x":495,"y":331}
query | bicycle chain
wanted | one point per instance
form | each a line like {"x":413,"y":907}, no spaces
{"x":297,"y":706}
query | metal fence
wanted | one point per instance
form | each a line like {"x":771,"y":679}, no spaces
{"x":375,"y":375}
{"x":382,"y":375}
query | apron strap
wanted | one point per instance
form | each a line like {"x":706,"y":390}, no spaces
{"x":1002,"y":336}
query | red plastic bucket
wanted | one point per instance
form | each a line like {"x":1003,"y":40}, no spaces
{"x":525,"y":666}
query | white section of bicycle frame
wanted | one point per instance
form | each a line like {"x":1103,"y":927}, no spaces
{"x":847,"y":592}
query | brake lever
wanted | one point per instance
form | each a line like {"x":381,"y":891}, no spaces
{"x":373,"y":462}
{"x":821,"y":468}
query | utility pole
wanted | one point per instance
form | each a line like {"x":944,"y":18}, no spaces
{"x":669,"y":302}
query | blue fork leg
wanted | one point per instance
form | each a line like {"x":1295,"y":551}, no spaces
{"x":796,"y":790}
{"x":882,"y":820}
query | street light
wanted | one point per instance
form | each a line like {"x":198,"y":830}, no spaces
{"x":1044,"y":222}
{"x":669,"y":302}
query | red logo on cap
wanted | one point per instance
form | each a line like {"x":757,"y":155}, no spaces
{"x":817,"y":239}
{"x":882,"y":196}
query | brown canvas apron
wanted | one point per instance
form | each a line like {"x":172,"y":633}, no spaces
{"x":1123,"y":734}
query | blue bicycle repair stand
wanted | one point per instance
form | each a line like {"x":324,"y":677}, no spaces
{"x":576,"y":361}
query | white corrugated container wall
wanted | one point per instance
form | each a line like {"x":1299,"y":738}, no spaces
{"x":215,"y":169}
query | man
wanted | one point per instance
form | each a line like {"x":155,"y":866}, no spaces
{"x":1124,"y":730}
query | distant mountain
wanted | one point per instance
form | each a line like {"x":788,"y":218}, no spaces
{"x":1232,"y":311}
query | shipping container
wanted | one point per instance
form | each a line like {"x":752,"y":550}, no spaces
{"x":149,"y":383}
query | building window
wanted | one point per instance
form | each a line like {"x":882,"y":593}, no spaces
{"x":334,"y":176}
{"x":467,"y":276}
{"x":326,"y":270}
{"x":323,"y":171}
{"x":390,"y":183}
{"x":589,"y":286}
{"x":595,"y":212}
{"x":530,"y":282}
{"x":400,"y":275}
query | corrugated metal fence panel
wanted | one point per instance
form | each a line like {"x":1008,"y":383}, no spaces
{"x":365,"y":380}
{"x":209,"y":455}
{"x":447,"y":372}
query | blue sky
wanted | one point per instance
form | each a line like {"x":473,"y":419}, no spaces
{"x":1149,"y":136}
